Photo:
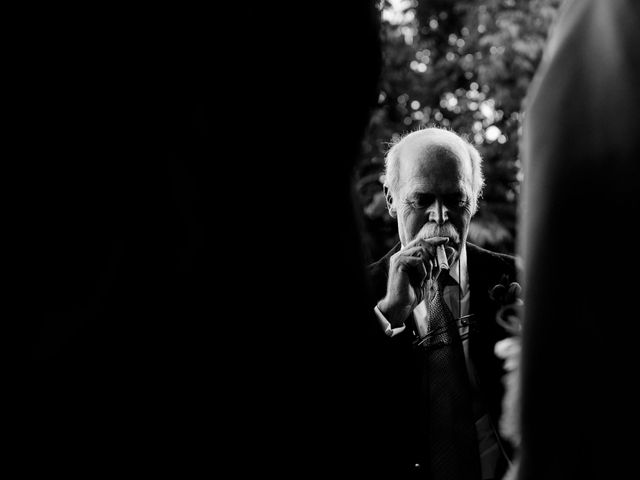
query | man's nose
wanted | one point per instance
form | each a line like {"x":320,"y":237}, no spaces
{"x":438,"y":213}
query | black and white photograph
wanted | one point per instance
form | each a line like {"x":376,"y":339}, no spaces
{"x":368,"y":239}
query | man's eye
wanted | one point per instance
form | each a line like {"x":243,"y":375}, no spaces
{"x":422,"y":201}
{"x":419,"y":205}
{"x":456,"y":201}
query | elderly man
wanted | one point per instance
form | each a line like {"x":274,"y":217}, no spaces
{"x":442,"y":387}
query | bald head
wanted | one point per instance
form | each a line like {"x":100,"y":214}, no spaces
{"x":434,"y":150}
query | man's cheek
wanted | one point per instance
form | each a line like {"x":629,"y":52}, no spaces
{"x":404,"y":211}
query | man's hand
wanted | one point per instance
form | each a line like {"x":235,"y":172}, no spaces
{"x":408,"y":270}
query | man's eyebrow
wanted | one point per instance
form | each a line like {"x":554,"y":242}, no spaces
{"x":422,"y":194}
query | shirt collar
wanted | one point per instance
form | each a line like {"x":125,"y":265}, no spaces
{"x":461,"y":262}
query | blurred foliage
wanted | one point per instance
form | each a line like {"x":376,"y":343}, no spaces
{"x":463,"y":65}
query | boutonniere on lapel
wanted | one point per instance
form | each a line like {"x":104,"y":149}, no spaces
{"x":509,"y":316}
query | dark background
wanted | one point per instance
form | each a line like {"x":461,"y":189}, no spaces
{"x":195,"y":292}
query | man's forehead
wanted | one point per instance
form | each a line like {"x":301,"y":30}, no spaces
{"x":422,"y":153}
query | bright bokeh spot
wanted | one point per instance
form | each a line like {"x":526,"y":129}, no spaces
{"x":487,"y":110}
{"x":492,"y":133}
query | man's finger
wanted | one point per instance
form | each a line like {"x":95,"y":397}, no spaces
{"x":408,"y":263}
{"x":429,"y":244}
{"x":427,"y":241}
{"x":415,"y":268}
{"x":419,"y":251}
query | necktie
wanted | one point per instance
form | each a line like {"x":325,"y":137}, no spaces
{"x":451,"y":441}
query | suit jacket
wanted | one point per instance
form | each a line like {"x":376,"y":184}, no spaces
{"x":399,"y":371}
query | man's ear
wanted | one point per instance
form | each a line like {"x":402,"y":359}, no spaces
{"x":389,"y":200}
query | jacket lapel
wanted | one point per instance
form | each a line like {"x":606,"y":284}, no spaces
{"x":485,"y":271}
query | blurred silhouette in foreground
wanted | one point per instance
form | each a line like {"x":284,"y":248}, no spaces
{"x":199,"y":293}
{"x":581,"y":152}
